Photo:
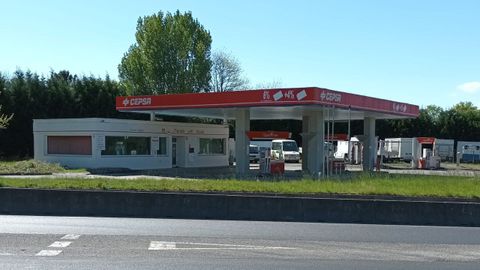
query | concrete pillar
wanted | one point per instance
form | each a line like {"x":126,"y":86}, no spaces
{"x":315,"y":155}
{"x":305,"y":137}
{"x":152,"y":116}
{"x":414,"y":160}
{"x":370,"y":146}
{"x":242,"y":125}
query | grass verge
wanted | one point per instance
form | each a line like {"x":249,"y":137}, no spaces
{"x":397,"y":185}
{"x":32,"y":167}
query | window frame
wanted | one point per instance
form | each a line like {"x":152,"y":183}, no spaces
{"x":209,"y":153}
{"x":148,"y":148}
{"x":47,"y":145}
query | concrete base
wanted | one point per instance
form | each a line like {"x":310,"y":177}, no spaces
{"x":239,"y":207}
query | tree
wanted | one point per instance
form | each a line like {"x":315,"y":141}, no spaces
{"x":29,"y":96}
{"x":434,"y":113}
{"x":269,"y":85}
{"x":4,"y":118}
{"x":462,"y":122}
{"x":226,"y":73}
{"x":171,"y":55}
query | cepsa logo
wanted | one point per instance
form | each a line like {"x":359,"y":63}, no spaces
{"x":330,"y":96}
{"x":137,"y":101}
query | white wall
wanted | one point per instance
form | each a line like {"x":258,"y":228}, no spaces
{"x":98,"y":128}
{"x":202,"y":160}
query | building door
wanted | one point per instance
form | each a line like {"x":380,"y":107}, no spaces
{"x":174,"y":152}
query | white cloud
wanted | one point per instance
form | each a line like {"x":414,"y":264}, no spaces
{"x":469,"y":87}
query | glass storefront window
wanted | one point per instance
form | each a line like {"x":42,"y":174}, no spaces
{"x":120,"y":146}
{"x":162,"y":146}
{"x":212,"y":146}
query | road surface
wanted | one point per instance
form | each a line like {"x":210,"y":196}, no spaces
{"x":37,"y":242}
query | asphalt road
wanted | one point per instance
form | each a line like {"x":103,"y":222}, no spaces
{"x":32,"y":242}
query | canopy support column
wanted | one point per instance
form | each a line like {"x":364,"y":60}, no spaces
{"x":313,"y":150}
{"x":370,"y":146}
{"x":305,"y":138}
{"x":242,"y":142}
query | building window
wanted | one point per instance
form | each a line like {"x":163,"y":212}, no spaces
{"x":212,"y":146}
{"x":125,"y":146}
{"x":69,"y":145}
{"x":162,"y":146}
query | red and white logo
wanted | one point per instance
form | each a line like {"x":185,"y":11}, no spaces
{"x":330,"y":96}
{"x":137,"y":101}
{"x":397,"y":107}
{"x":286,"y":95}
{"x":301,"y":95}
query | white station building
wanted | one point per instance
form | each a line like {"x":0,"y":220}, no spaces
{"x":132,"y":144}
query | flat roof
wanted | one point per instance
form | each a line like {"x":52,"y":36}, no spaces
{"x":280,"y":103}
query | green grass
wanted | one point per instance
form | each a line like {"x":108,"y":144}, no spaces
{"x":398,"y":185}
{"x":32,"y":167}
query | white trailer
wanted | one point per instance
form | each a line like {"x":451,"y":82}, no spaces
{"x":444,"y":148}
{"x":342,"y":150}
{"x":468,"y":151}
{"x":356,"y":150}
{"x":398,"y":148}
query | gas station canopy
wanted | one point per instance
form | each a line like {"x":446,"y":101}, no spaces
{"x":314,"y":106}
{"x":284,"y":103}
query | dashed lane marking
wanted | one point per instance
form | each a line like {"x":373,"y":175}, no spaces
{"x":60,"y":244}
{"x":48,"y":253}
{"x":71,"y":237}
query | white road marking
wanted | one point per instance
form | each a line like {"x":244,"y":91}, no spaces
{"x":5,"y":254}
{"x":60,"y":244}
{"x":160,"y":245}
{"x":71,"y":237}
{"x":48,"y":253}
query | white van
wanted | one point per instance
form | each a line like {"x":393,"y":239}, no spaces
{"x":286,"y":150}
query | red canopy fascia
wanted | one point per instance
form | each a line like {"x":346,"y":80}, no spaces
{"x":266,"y":98}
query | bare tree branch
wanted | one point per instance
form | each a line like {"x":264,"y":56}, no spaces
{"x":226,"y":73}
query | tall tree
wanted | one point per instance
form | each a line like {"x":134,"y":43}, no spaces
{"x":171,"y":55}
{"x":462,"y":122}
{"x":226,"y":73}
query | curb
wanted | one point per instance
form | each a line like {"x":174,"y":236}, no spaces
{"x":18,"y":201}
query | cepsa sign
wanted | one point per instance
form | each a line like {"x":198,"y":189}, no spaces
{"x":137,"y":101}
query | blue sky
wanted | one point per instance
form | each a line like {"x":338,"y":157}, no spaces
{"x":421,"y":52}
